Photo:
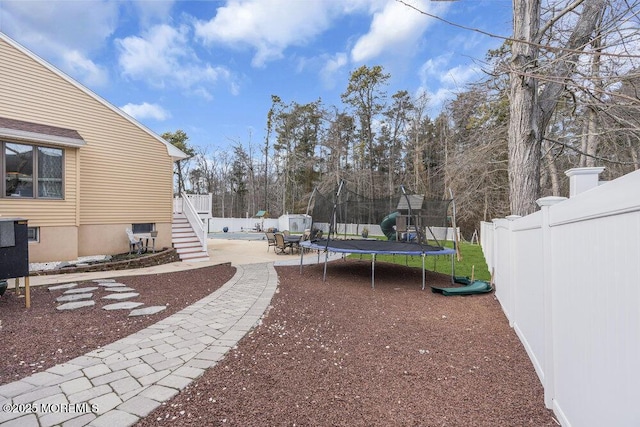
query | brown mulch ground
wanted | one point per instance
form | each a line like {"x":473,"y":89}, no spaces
{"x":38,"y":338}
{"x":331,"y":354}
{"x":343,"y":354}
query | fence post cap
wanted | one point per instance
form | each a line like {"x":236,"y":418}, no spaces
{"x":584,"y":171}
{"x":550,"y":200}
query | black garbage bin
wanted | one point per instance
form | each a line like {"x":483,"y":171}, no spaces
{"x":14,"y":251}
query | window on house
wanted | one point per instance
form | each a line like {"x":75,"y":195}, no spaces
{"x":142,"y":228}
{"x":33,"y":234}
{"x":32,"y":171}
{"x":49,"y":172}
{"x":19,"y":170}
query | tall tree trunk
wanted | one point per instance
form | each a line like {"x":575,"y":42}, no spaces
{"x":179,"y":178}
{"x":524,"y":138}
{"x":634,"y":150}
{"x":591,"y":138}
{"x":582,"y":162}
{"x":531,"y":110}
{"x":552,"y":169}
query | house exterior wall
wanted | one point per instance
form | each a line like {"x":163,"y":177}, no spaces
{"x":123,"y":175}
{"x":107,"y":238}
{"x":66,"y":243}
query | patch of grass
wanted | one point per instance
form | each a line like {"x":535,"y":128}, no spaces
{"x":471,"y":258}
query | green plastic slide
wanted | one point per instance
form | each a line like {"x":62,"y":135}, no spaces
{"x":387,"y":225}
{"x":470,"y":288}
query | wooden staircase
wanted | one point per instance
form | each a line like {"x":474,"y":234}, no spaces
{"x":185,"y":240}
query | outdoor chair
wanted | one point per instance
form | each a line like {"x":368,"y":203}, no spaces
{"x":134,"y":244}
{"x":286,"y":233}
{"x":281,"y":245}
{"x":271,"y":240}
{"x":306,"y":236}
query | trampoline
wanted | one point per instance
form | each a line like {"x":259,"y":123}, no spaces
{"x":373,"y":248}
{"x":351,"y":212}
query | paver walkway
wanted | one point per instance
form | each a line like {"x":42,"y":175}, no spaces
{"x":123,"y":382}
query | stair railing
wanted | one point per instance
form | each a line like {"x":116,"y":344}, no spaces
{"x":198,"y":225}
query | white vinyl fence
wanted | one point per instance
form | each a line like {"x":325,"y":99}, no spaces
{"x":568,"y":280}
{"x":217,"y":224}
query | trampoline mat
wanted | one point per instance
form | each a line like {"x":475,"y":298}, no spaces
{"x":376,"y":247}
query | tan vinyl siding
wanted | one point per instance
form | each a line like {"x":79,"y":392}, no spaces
{"x":127,"y":179}
{"x":125,"y":173}
{"x":122,"y":175}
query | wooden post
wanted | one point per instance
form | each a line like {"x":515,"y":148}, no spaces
{"x":27,"y":293}
{"x":27,"y":290}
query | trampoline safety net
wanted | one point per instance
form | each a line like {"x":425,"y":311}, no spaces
{"x":400,"y":217}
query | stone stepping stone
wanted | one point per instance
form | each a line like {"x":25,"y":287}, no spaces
{"x":145,"y":311}
{"x":73,"y":297}
{"x":127,"y":305}
{"x":104,"y":280}
{"x":119,"y":289}
{"x":111,"y":285}
{"x":65,"y":286}
{"x":75,"y":305}
{"x":125,"y":295}
{"x":81,"y":290}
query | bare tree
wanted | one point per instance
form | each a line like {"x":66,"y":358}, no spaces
{"x":533,"y":103}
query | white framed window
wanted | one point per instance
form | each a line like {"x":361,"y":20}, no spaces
{"x":32,"y":171}
{"x":141,"y":228}
{"x":33,"y":234}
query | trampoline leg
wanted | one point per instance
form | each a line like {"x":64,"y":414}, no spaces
{"x":373,"y":271}
{"x":453,"y":270}
{"x":324,"y":274}
{"x":423,"y":273}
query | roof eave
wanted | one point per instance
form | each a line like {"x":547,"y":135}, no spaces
{"x":40,"y":137}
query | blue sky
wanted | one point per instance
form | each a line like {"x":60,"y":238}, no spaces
{"x":210,"y":67}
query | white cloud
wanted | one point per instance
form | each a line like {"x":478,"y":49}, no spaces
{"x":150,"y":12}
{"x":163,"y":58}
{"x":394,"y":28}
{"x":66,"y":23}
{"x":146,"y":111}
{"x":442,"y":80}
{"x":268,"y":26}
{"x":66,"y":33}
{"x":332,"y":67}
{"x":84,"y":69}
{"x":457,"y":77}
{"x":440,"y":70}
{"x":434,"y":66}
{"x":155,"y":55}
